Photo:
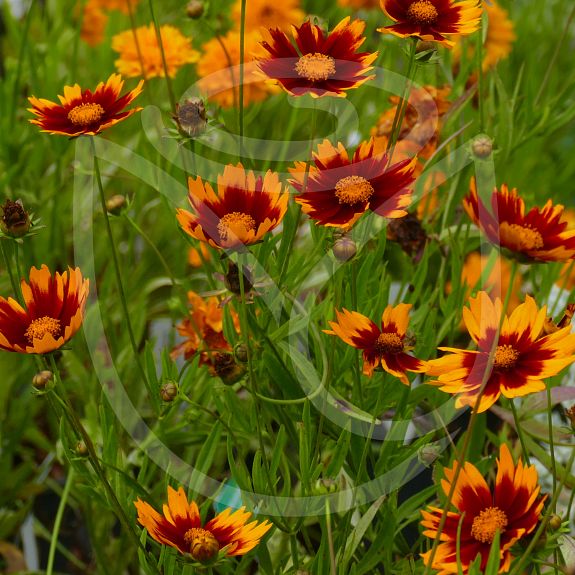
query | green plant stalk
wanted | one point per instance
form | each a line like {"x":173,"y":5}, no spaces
{"x":553,"y":463}
{"x":116,"y":264}
{"x":15,"y":286}
{"x":58,"y":521}
{"x":479,"y":64}
{"x":242,"y":57}
{"x":352,"y":270}
{"x":332,"y":563}
{"x":519,"y":432}
{"x":294,"y":551}
{"x":136,"y":40}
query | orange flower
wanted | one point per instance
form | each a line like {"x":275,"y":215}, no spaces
{"x":512,"y":363}
{"x":226,"y":535}
{"x":203,"y":329}
{"x":196,"y":258}
{"x":386,"y":346}
{"x":148,"y":62}
{"x":323,"y":64}
{"x":219,"y":70}
{"x":513,"y":509}
{"x":432,"y":20}
{"x":83,"y":112}
{"x":94,"y":21}
{"x":359,"y":4}
{"x":241,"y":213}
{"x":54,"y":312}
{"x":266,"y":14}
{"x":339,"y":189}
{"x":540,"y":235}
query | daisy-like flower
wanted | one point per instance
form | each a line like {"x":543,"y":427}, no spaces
{"x":432,"y":20}
{"x":54,"y":312}
{"x":82,"y":112}
{"x":386,"y":346}
{"x":513,"y":508}
{"x":359,"y":4}
{"x":148,"y":61}
{"x":266,"y":14}
{"x":513,"y":362}
{"x":241,"y":213}
{"x":339,"y":189}
{"x":540,"y":235}
{"x":322,"y":64}
{"x":94,"y":21}
{"x":228,"y":534}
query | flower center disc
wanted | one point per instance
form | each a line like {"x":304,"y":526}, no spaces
{"x":352,"y":190}
{"x":315,"y":66}
{"x":203,"y":545}
{"x":486,"y":524}
{"x":85,"y":114}
{"x":523,"y":237}
{"x":388,"y":343}
{"x":38,"y":328}
{"x":236,"y":223}
{"x":422,"y":12}
{"x":505,"y":357}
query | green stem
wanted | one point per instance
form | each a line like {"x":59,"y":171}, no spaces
{"x":519,"y":432}
{"x":479,"y":63}
{"x":242,"y":56}
{"x":136,"y":40}
{"x":116,"y":265}
{"x":332,"y":563}
{"x":294,"y":551}
{"x":58,"y":521}
{"x":15,"y":286}
{"x":352,"y":269}
{"x":551,"y":439}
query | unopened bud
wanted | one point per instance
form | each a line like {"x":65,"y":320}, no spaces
{"x":116,"y":204}
{"x":169,"y":391}
{"x":81,"y":449}
{"x":195,"y":9}
{"x":555,"y":522}
{"x":226,"y":368}
{"x":325,"y":485}
{"x":482,"y":147}
{"x":190,"y":117}
{"x":428,"y":454}
{"x":241,"y":352}
{"x":15,"y":220}
{"x":42,"y":379}
{"x":424,"y":46}
{"x":344,"y":249}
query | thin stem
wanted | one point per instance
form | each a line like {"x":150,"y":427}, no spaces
{"x":479,"y":61}
{"x":242,"y":56}
{"x":509,"y":293}
{"x":116,"y":265}
{"x":551,"y":439}
{"x":136,"y":40}
{"x":352,"y":270}
{"x":332,"y":563}
{"x":58,"y":521}
{"x":23,"y":44}
{"x":294,"y":551}
{"x":15,"y":286}
{"x":519,"y":432}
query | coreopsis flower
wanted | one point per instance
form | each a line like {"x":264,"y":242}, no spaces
{"x":540,"y":235}
{"x":197,"y":256}
{"x":323,"y":64}
{"x":94,"y":21}
{"x":339,"y":189}
{"x":53,"y":314}
{"x":513,"y":509}
{"x":219,"y":71}
{"x":203,"y":329}
{"x":244,"y":209}
{"x":512,"y":362}
{"x":266,"y":14}
{"x":147,"y":61}
{"x":432,"y":20}
{"x":228,"y":534}
{"x":386,"y":346}
{"x":82,"y":112}
{"x":359,"y":4}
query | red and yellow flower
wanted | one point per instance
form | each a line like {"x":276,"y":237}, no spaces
{"x":339,"y":189}
{"x":538,"y":235}
{"x":386,"y":346}
{"x":513,"y":508}
{"x":323,"y":64}
{"x":432,"y":20}
{"x":512,"y":362}
{"x":228,"y":534}
{"x":82,"y":112}
{"x":54,"y":311}
{"x":241,"y":213}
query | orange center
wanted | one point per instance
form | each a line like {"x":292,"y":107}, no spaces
{"x":203,"y":545}
{"x":85,"y":114}
{"x":388,"y":343}
{"x":505,"y":357}
{"x":353,"y":189}
{"x":236,"y":223}
{"x":315,"y":66}
{"x":525,"y":238}
{"x":487,"y":523}
{"x":422,"y":12}
{"x":38,"y":328}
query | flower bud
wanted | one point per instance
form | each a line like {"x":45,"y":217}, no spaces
{"x":325,"y":486}
{"x":428,"y":454}
{"x":424,"y":46}
{"x":195,"y":9}
{"x":169,"y":391}
{"x":116,"y":204}
{"x":482,"y":147}
{"x":190,"y":117}
{"x":42,"y":379}
{"x":241,"y":352}
{"x":81,"y":449}
{"x":226,"y":368}
{"x":15,"y":220}
{"x":344,"y":249}
{"x":555,"y":522}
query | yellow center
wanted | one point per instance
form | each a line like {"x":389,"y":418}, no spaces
{"x":353,"y":189}
{"x":203,"y":545}
{"x":85,"y":114}
{"x":38,"y":328}
{"x":237,"y":223}
{"x":315,"y":66}
{"x":422,"y":12}
{"x":505,"y":357}
{"x":525,"y":238}
{"x":388,"y":343}
{"x":486,"y":524}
